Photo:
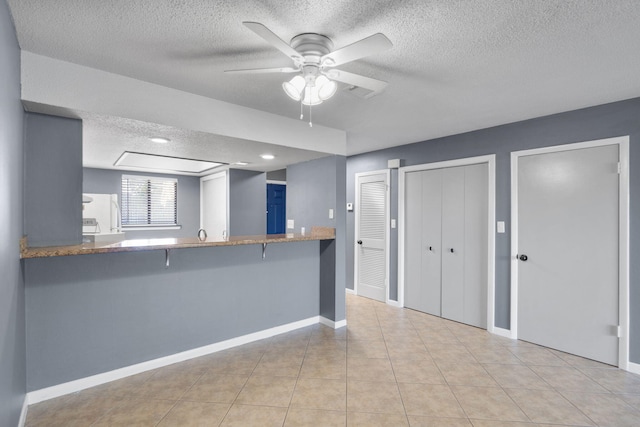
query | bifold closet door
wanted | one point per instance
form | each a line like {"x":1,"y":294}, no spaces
{"x":464,"y":244}
{"x":446,"y":242}
{"x":476,"y":243}
{"x":423,"y":215}
{"x":453,"y":274}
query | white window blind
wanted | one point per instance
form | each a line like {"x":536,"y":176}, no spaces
{"x":149,"y":201}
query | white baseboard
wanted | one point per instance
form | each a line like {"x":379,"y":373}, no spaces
{"x":350,"y":291}
{"x":502,"y":332}
{"x":634,"y":368}
{"x":334,"y":325}
{"x":393,"y":303}
{"x":94,"y":380}
{"x":23,"y":413}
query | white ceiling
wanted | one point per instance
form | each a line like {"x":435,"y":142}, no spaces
{"x":455,"y":66}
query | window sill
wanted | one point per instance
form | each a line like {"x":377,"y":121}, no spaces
{"x":150,"y":227}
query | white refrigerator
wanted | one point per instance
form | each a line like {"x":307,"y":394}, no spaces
{"x":101,"y":218}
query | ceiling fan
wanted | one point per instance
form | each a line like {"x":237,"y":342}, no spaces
{"x":314,"y":60}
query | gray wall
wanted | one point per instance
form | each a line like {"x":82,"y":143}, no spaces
{"x":247,"y":202}
{"x":53,"y":180}
{"x":604,"y":121}
{"x":279,"y":175}
{"x":12,"y":321}
{"x":108,"y":181}
{"x":313,"y":188}
{"x":89,"y":314}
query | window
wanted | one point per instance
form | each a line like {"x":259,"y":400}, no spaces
{"x":149,"y":201}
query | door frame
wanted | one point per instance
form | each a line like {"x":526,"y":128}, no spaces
{"x":387,"y":233}
{"x":216,"y":175}
{"x":490,"y":160}
{"x":623,"y":231}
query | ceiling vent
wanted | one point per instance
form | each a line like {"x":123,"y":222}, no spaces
{"x":359,"y":92}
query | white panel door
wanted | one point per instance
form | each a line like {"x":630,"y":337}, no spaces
{"x":568,"y":223}
{"x":214,"y":205}
{"x":371,"y":235}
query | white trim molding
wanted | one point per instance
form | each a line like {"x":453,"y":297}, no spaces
{"x":105,"y":377}
{"x":23,"y":414}
{"x":350,"y":291}
{"x":623,"y":265}
{"x":332,"y":324}
{"x":490,"y":160}
{"x":503,"y":332}
{"x":634,"y":368}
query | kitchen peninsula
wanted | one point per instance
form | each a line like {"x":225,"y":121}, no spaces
{"x":317,"y":233}
{"x":99,"y":312}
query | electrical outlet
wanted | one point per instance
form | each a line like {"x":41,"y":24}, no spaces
{"x":330,"y":213}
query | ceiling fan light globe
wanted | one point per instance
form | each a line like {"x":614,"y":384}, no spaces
{"x":294,"y":87}
{"x":311,"y":96}
{"x":326,"y":88}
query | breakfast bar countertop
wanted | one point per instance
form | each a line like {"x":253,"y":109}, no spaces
{"x":317,"y":233}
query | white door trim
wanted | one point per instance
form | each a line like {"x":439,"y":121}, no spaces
{"x":387,"y":215}
{"x":490,"y":160}
{"x":623,"y":272}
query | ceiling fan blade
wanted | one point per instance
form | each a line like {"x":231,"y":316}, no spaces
{"x":274,"y":40}
{"x":365,"y":47}
{"x":374,"y":85}
{"x":263,"y":70}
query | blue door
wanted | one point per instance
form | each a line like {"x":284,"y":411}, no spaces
{"x":276,"y":208}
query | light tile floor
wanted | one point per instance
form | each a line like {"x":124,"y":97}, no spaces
{"x":389,"y":367}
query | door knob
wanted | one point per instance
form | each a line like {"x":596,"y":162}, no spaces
{"x":431,"y":248}
{"x":451,"y":250}
{"x":359,"y":242}
{"x":523,"y":257}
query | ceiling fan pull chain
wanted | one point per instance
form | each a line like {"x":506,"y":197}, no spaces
{"x":301,"y":110}
{"x":310,"y":116}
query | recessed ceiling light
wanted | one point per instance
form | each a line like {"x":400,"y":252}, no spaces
{"x":241,"y":163}
{"x":159,"y":139}
{"x":268,"y":156}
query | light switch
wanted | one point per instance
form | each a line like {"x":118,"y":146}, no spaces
{"x":330,"y":213}
{"x":393,"y":223}
{"x":349,"y":207}
{"x":290,"y":224}
{"x":500,"y":226}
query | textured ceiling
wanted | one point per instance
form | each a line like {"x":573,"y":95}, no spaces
{"x":455,"y":66}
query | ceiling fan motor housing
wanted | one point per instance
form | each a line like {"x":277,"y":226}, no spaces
{"x":312,"y":44}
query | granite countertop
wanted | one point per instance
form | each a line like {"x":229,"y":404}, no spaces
{"x":317,"y":233}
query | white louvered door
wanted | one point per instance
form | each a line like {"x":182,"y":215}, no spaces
{"x":371,"y":235}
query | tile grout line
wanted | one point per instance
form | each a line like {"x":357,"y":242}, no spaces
{"x":179,"y":399}
{"x":293,"y":392}
{"x":242,"y":388}
{"x":384,"y":340}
